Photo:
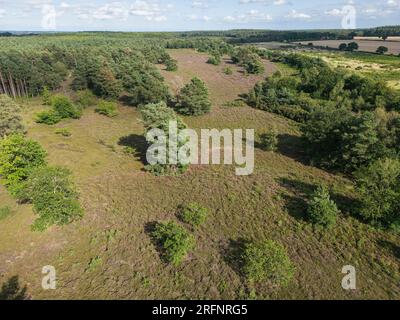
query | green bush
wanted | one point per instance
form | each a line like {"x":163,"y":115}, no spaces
{"x":171,"y":65}
{"x":10,"y":119}
{"x":228,"y":71}
{"x":379,"y":187}
{"x":269,"y":141}
{"x":64,"y":107}
{"x":194,"y":214}
{"x":53,"y":196}
{"x":322,"y":210}
{"x":85,"y":98}
{"x":46,"y":96}
{"x":193,"y":99}
{"x":267,"y":261}
{"x":107,"y":108}
{"x":48,"y":117}
{"x":175,"y":241}
{"x":18,"y":157}
{"x":215,"y":60}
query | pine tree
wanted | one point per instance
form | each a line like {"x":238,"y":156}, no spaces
{"x":193,"y":99}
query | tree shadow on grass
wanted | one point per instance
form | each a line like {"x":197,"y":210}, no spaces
{"x":296,"y":203}
{"x":232,"y":254}
{"x":138,"y":144}
{"x":11,"y":290}
{"x":292,"y":147}
{"x":149,"y":229}
{"x":390,"y":246}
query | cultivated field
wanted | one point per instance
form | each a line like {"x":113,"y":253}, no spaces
{"x":364,"y":45}
{"x":109,"y":253}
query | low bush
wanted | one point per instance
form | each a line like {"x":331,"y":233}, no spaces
{"x":171,"y":65}
{"x":53,"y":196}
{"x":267,"y":261}
{"x":175,"y":241}
{"x":10,"y":119}
{"x":194,"y":214}
{"x":322,"y":211}
{"x":48,"y":117}
{"x":228,"y":71}
{"x":269,"y":141}
{"x":215,"y":60}
{"x":107,"y":108}
{"x":18,"y":158}
{"x":193,"y":99}
{"x":85,"y":98}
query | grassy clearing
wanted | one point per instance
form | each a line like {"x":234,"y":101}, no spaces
{"x":110,"y":254}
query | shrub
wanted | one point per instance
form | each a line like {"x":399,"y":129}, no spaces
{"x":194,"y":214}
{"x":379,"y":187}
{"x":171,"y":65}
{"x":215,"y":60}
{"x":234,"y":104}
{"x":85,"y":98}
{"x":269,"y":141}
{"x":267,"y":261}
{"x":48,"y":117}
{"x":322,"y":210}
{"x":193,"y":99}
{"x":46,"y":96}
{"x":382,"y":50}
{"x":18,"y":157}
{"x":107,"y":108}
{"x":63,"y":106}
{"x":228,"y":71}
{"x":10,"y":120}
{"x":63,"y":132}
{"x":175,"y":241}
{"x":53,"y":197}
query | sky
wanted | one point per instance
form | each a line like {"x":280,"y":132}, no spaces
{"x":187,"y":15}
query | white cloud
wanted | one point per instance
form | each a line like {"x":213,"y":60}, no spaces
{"x":334,"y":12}
{"x":200,"y":4}
{"x":298,"y":15}
{"x":267,"y":2}
{"x":251,"y":16}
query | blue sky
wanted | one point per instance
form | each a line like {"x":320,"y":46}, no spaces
{"x":179,"y":15}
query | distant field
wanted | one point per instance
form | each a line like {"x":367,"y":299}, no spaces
{"x":365,"y":45}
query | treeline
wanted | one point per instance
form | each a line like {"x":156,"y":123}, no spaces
{"x":350,"y":124}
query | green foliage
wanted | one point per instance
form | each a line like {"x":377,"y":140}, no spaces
{"x":5,"y":212}
{"x":269,"y":141}
{"x":194,"y":214}
{"x":338,"y":139}
{"x":46,"y":96}
{"x":62,"y":108}
{"x":85,"y":98}
{"x":18,"y":158}
{"x":215,"y":60}
{"x":379,"y":187}
{"x":228,"y":71}
{"x":322,"y":211}
{"x":193,"y":99}
{"x":382,"y":50}
{"x":267,"y":261}
{"x":107,"y":108}
{"x":63,"y":132}
{"x":158,"y":116}
{"x":10,"y":120}
{"x":249,"y":58}
{"x":352,"y":46}
{"x":175,"y":241}
{"x":238,"y":103}
{"x":49,"y":117}
{"x":53,"y":196}
{"x":171,"y":65}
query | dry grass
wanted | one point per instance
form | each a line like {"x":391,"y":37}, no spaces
{"x":109,"y":254}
